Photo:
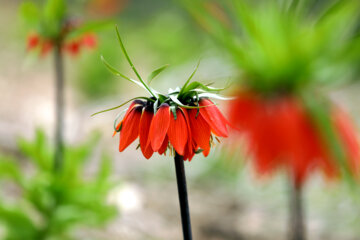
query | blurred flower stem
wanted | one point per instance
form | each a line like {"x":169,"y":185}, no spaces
{"x":183,"y":196}
{"x":59,"y":109}
{"x":296,"y":227}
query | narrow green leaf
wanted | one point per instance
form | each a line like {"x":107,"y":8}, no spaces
{"x":156,"y":72}
{"x":113,"y":108}
{"x":131,"y":64}
{"x":117,"y":73}
{"x":177,"y":101}
{"x":189,"y":79}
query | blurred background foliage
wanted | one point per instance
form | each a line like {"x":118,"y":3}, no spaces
{"x":48,"y":204}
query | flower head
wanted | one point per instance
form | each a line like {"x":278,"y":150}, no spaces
{"x":51,"y":27}
{"x":284,"y":133}
{"x":72,"y":46}
{"x":186,"y":131}
{"x":184,"y":121}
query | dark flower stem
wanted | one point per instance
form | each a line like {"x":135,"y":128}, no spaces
{"x":297,"y":226}
{"x":59,"y":108}
{"x":183,"y":196}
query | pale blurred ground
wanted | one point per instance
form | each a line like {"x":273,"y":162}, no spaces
{"x":236,"y":207}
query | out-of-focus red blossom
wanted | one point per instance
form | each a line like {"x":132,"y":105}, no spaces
{"x":281,"y":135}
{"x":89,"y":40}
{"x":73,"y":46}
{"x":33,"y":41}
{"x":45,"y":47}
{"x":189,"y":132}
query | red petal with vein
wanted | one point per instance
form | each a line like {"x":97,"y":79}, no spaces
{"x":213,"y":117}
{"x":200,"y":131}
{"x":190,"y":146}
{"x":164,"y":145}
{"x":159,"y":127}
{"x":178,"y":132}
{"x":130,"y":129}
{"x":145,"y":123}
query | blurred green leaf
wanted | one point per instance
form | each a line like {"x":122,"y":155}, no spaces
{"x":91,"y":27}
{"x":19,"y":225}
{"x":30,"y":14}
{"x":54,"y":10}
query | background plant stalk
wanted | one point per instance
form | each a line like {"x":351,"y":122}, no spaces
{"x":59,"y":106}
{"x":297,"y":226}
{"x":183,"y":196}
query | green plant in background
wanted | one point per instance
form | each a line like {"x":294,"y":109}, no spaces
{"x":48,"y":204}
{"x":51,"y":29}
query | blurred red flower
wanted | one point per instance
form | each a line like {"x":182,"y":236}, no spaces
{"x":187,"y":131}
{"x":72,"y":46}
{"x":33,"y":41}
{"x":281,"y":134}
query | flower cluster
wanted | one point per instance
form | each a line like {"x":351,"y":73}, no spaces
{"x":187,"y":131}
{"x":50,"y":26}
{"x":282,"y":134}
{"x":185,"y":120}
{"x":73,"y":46}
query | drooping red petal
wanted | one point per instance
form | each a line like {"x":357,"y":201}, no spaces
{"x":33,"y":41}
{"x":164,"y":145}
{"x":89,"y":40}
{"x":213,"y":117}
{"x":132,"y":105}
{"x":130,"y":128}
{"x":178,"y":132}
{"x":159,"y":127}
{"x":45,"y":48}
{"x":73,"y":47}
{"x":190,"y":148}
{"x":200,"y":131}
{"x":145,"y":123}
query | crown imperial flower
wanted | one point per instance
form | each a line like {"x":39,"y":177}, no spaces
{"x":187,"y":131}
{"x":282,"y":133}
{"x":72,"y":46}
{"x":184,"y":121}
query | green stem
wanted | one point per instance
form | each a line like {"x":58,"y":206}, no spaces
{"x":132,"y":65}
